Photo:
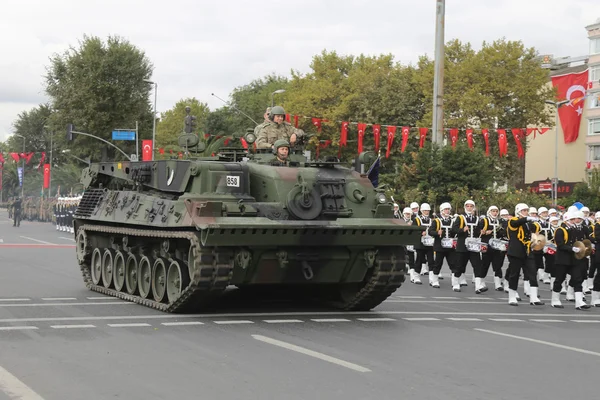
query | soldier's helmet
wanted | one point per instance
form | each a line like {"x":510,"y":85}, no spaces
{"x":280,"y":143}
{"x":277,"y":110}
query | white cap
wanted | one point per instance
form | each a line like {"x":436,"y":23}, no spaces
{"x":425,"y":207}
{"x":471,"y":202}
{"x":541,"y":210}
{"x":584,"y":209}
{"x":444,"y":206}
{"x":597,"y":215}
{"x":552,"y":211}
{"x":406,"y":211}
{"x":396,"y":205}
{"x":492,"y":208}
{"x":414,"y":204}
{"x":553,"y":218}
{"x":577,"y":214}
{"x":566,"y":216}
{"x":520,"y":207}
{"x":532,"y":210}
{"x":504,"y":211}
{"x":572,"y":208}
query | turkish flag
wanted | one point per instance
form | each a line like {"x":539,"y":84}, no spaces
{"x":454,"y":136}
{"x":470,"y":138}
{"x":317,"y":122}
{"x":1,"y":159}
{"x":571,"y":87}
{"x":391,"y":130}
{"x":146,"y":150}
{"x":15,"y":157}
{"x":296,"y":120}
{"x":517,"y":132}
{"x":405,"y":130}
{"x":502,"y":143}
{"x":361,"y":135}
{"x":42,"y":160}
{"x":46,"y":176}
{"x":486,"y":138}
{"x":288,"y":118}
{"x":422,"y":136}
{"x":344,"y":134}
{"x":377,"y":135}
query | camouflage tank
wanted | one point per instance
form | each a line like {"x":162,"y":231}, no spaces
{"x":173,"y":234}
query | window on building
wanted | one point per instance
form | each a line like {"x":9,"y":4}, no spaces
{"x":594,"y":127}
{"x":594,"y":100}
{"x":595,"y":73}
{"x":595,"y":153}
{"x":595,"y":46}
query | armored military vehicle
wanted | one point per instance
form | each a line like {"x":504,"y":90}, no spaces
{"x":173,"y":234}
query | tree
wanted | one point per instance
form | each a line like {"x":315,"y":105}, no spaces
{"x":98,"y":87}
{"x":171,"y":124}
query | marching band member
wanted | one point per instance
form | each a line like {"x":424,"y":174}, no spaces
{"x":553,"y":223}
{"x":541,"y":258}
{"x":410,"y":253}
{"x":491,"y":228}
{"x":414,"y":206}
{"x":504,"y":217}
{"x":566,"y":262}
{"x":596,"y":262}
{"x":465,"y":228}
{"x":440,"y":229}
{"x":424,"y":252}
{"x":520,"y":228}
{"x":588,"y":227}
{"x":397,"y":211}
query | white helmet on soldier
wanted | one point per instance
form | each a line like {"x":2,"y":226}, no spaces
{"x":533,"y":210}
{"x":553,"y":219}
{"x":552,"y":211}
{"x":414,"y":205}
{"x":471,"y":202}
{"x":425,"y":207}
{"x":396,"y":205}
{"x":491,"y":208}
{"x":584,"y":209}
{"x":445,"y":206}
{"x":520,"y":207}
{"x":577,"y":214}
{"x":406,"y":211}
{"x":597,"y":216}
{"x":572,"y":209}
{"x":541,"y":210}
{"x":504,"y":211}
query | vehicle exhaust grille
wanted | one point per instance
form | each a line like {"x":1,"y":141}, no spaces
{"x":88,"y":203}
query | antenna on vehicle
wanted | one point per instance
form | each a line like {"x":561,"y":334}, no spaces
{"x":235,"y":108}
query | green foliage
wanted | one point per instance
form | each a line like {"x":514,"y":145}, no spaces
{"x":99,"y":87}
{"x":587,"y":193}
{"x":171,"y":124}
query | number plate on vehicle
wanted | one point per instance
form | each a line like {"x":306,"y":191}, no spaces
{"x":233,"y":181}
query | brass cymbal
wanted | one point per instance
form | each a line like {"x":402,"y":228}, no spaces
{"x":588,"y":246}
{"x":582,"y":250}
{"x":538,"y":241}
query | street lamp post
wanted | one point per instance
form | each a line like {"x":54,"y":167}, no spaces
{"x":23,"y":172}
{"x":276,"y":92}
{"x":153,"y":115}
{"x":555,"y":180}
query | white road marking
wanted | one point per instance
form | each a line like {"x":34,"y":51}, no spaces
{"x":584,"y":321}
{"x":58,"y":298}
{"x":21,"y":299}
{"x":282,"y":321}
{"x":234,"y":322}
{"x":446,"y":298}
{"x":17,"y":328}
{"x":464,"y":319}
{"x":312,"y":353}
{"x":376,"y":319}
{"x":559,"y":346}
{"x":182,"y":323}
{"x":547,"y":320}
{"x":506,"y":320}
{"x":481,"y":298}
{"x":330,"y":320}
{"x":66,"y":238}
{"x":100,"y":298}
{"x":134,"y":325}
{"x":411,"y":297}
{"x":67,"y":304}
{"x":445,"y":301}
{"x":16,"y":389}
{"x":1,"y":240}
{"x":35,"y":240}
{"x":421,"y":319}
{"x":72,"y":326}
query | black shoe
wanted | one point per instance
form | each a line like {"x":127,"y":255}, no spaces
{"x":513,"y":304}
{"x":536,"y":303}
{"x":500,"y":289}
{"x":584,"y":307}
{"x":557,"y":306}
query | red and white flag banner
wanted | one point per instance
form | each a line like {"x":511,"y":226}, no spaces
{"x":571,"y":87}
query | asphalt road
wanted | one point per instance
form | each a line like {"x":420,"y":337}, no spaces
{"x":60,"y":341}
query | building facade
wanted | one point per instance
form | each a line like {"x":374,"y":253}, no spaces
{"x":573,"y":160}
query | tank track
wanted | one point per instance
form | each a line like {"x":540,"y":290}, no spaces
{"x":388,"y":275}
{"x":213,"y":270}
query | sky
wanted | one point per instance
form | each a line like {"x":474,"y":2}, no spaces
{"x":201,"y":47}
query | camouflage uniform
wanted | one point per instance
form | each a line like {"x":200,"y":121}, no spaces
{"x":273,"y":131}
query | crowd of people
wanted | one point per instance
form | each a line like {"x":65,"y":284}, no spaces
{"x":59,"y":211}
{"x":544,"y":245}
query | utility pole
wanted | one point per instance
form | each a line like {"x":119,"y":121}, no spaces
{"x":438,"y":77}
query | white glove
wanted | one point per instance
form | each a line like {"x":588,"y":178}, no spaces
{"x":532,"y":219}
{"x":576,"y":249}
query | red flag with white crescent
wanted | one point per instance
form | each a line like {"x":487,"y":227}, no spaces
{"x":344,"y":134}
{"x":517,"y":133}
{"x":486,"y":139}
{"x":502,"y":142}
{"x":146,"y":150}
{"x":453,"y":136}
{"x":470,"y":138}
{"x":422,"y":136}
{"x":405,"y":131}
{"x":46,"y":176}
{"x":391,"y":131}
{"x":361,"y":136}
{"x":377,"y":135}
{"x":571,"y":87}
{"x":317,"y":123}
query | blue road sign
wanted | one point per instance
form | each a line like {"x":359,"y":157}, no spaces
{"x":123,"y":135}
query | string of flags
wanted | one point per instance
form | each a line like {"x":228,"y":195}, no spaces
{"x":17,"y":157}
{"x":518,"y":134}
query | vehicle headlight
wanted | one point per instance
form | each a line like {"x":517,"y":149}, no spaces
{"x":381,"y":198}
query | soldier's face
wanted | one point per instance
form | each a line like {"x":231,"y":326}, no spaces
{"x":278,"y":119}
{"x":494,"y":213}
{"x":425,"y":212}
{"x":544,"y":214}
{"x":282,"y":153}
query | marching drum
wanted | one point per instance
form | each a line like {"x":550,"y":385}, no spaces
{"x":475,"y":245}
{"x":448,"y":243}
{"x":498,"y":244}
{"x":550,"y":248}
{"x":427,"y":240}
{"x":410,"y":247}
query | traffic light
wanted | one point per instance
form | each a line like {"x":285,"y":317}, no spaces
{"x":70,"y":133}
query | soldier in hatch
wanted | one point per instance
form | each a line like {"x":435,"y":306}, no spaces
{"x":265,"y":122}
{"x":281,"y":149}
{"x":277,"y":129}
